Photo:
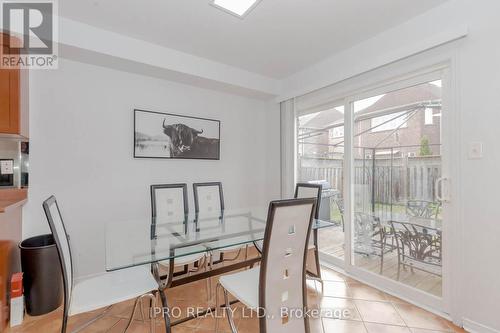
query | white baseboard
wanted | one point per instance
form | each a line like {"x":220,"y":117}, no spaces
{"x":474,"y":327}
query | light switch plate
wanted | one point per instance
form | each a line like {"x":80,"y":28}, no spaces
{"x":475,"y":150}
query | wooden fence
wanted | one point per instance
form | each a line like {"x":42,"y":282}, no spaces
{"x":394,"y":180}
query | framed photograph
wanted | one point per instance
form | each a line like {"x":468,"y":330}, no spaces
{"x":165,"y":135}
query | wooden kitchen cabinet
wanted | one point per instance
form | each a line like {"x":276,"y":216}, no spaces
{"x":10,"y":111}
{"x":11,"y":214}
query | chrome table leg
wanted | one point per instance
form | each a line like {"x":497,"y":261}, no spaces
{"x":162,"y":285}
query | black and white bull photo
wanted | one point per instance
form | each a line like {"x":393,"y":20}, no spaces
{"x":187,"y":142}
{"x":161,"y":135}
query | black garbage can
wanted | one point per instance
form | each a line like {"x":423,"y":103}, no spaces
{"x":42,"y":279}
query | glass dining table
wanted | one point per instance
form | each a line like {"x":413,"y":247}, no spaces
{"x":150,"y":240}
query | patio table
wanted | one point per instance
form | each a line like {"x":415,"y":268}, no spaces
{"x":431,"y":223}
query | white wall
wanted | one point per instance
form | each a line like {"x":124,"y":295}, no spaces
{"x":81,"y":149}
{"x":479,"y":87}
{"x":477,"y":103}
{"x":82,"y":42}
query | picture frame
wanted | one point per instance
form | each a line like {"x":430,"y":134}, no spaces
{"x":174,"y":136}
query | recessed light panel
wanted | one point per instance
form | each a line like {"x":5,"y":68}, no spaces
{"x":237,"y":7}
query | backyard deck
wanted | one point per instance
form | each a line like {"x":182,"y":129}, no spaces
{"x":331,"y":241}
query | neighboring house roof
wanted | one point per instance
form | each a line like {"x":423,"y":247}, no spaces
{"x":324,"y":119}
{"x":420,"y":93}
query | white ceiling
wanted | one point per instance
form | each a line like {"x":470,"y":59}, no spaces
{"x":277,"y":39}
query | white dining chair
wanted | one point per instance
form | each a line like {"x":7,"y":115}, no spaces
{"x":169,"y":204}
{"x":99,"y":291}
{"x":209,"y":202}
{"x":279,"y":283}
{"x":208,"y":198}
{"x":307,"y":190}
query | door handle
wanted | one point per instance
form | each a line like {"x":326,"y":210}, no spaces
{"x":442,"y":192}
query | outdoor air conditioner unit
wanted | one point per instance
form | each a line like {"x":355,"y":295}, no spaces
{"x":368,"y":157}
{"x":412,"y":154}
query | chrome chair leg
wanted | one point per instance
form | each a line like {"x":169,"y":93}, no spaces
{"x":217,"y":306}
{"x":201,"y":264}
{"x":93,"y":320}
{"x":162,"y":285}
{"x":209,"y":280}
{"x":151,"y":313}
{"x":138,"y":300}
{"x":152,"y":317}
{"x":316,"y":279}
{"x":229,"y":312}
{"x":209,"y":289}
{"x":235,"y":257}
{"x":141,"y":304}
{"x":211,"y":260}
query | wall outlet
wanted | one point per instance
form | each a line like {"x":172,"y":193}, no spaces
{"x":475,"y":150}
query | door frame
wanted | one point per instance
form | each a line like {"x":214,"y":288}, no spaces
{"x":450,"y":155}
{"x":448,"y":59}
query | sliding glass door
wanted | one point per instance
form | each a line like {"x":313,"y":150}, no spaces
{"x":397,"y":221}
{"x":320,"y":159}
{"x":380,"y":155}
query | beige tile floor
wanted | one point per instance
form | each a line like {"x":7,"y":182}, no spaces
{"x":368,"y":310}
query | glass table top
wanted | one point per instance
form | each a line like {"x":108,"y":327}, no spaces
{"x":140,"y":241}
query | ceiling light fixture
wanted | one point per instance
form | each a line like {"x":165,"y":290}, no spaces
{"x":239,"y":8}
